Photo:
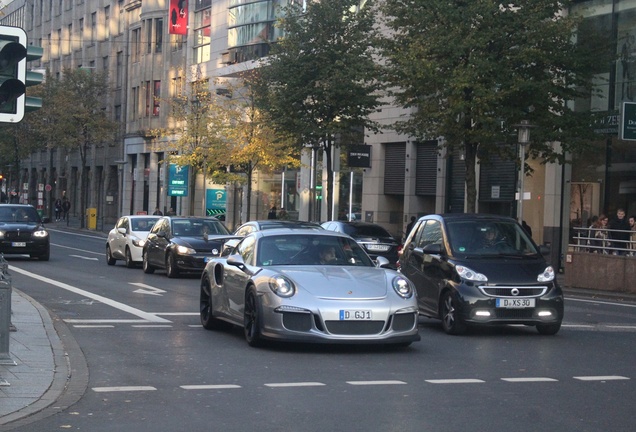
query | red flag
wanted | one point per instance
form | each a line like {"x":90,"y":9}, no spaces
{"x":178,"y":17}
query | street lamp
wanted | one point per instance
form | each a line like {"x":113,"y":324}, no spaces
{"x":524,"y":140}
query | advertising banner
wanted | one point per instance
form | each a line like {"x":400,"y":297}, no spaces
{"x":178,"y":17}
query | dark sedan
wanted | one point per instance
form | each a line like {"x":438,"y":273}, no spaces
{"x":472,"y":269}
{"x":375,"y":240}
{"x":22,"y":232}
{"x":183,"y":244}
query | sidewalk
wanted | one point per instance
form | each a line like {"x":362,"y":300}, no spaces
{"x":40,"y":372}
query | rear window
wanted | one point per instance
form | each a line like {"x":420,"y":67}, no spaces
{"x":366,"y":231}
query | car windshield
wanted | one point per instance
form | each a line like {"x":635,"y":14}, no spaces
{"x":365,"y":231}
{"x":143,"y":224}
{"x":18,"y":214}
{"x":489,"y":237}
{"x":311,"y":250}
{"x":198,"y":227}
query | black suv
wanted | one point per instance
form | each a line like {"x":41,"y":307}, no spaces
{"x":373,"y":238}
{"x":471,"y":269}
{"x":22,"y":232}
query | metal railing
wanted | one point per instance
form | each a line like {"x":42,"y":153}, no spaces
{"x":603,"y":241}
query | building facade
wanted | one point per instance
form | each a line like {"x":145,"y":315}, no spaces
{"x":133,"y":41}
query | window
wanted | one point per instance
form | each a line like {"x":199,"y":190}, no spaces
{"x":177,"y":87}
{"x":120,"y":69}
{"x":156,"y":98}
{"x":202,"y":21}
{"x":135,"y":99}
{"x":148,"y":24}
{"x":107,"y":22}
{"x":158,"y":34}
{"x":69,"y":36}
{"x":81,"y":33}
{"x":148,"y":98}
{"x":135,"y":45}
{"x":93,"y":27}
{"x":429,"y":233}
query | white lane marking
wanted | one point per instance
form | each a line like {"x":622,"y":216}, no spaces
{"x":631,"y":327}
{"x":84,"y":258}
{"x":529,"y":379}
{"x":455,"y":381}
{"x":76,"y":249}
{"x":379,"y":382}
{"x":210,"y":387}
{"x":177,"y":313}
{"x":578,"y":326}
{"x":152,"y":326}
{"x":147,"y":289}
{"x":93,"y":326}
{"x":117,"y":305}
{"x":600,"y":378}
{"x":103,"y":321}
{"x":123,"y":389}
{"x":601,"y":302}
{"x":48,"y":228}
{"x":295,"y":384}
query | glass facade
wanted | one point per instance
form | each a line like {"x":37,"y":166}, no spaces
{"x":604,"y":179}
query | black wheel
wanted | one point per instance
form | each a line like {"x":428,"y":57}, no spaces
{"x":252,"y":319}
{"x":205,"y":306}
{"x":548,"y":329}
{"x":129,"y":261}
{"x":46,"y":255}
{"x":109,"y":257}
{"x":451,"y":322}
{"x":171,"y":267}
{"x":146,"y":265}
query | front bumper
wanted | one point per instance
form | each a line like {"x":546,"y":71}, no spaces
{"x":475,"y":307}
{"x":24,"y":247}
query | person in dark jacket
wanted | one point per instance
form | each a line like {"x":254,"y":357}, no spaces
{"x":619,"y":232}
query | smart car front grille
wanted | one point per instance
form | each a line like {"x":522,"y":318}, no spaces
{"x":513,"y":291}
{"x":354,"y":328}
{"x":514,"y":313}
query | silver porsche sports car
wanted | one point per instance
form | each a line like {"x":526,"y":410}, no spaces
{"x":307,"y":286}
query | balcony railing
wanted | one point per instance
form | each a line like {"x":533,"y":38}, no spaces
{"x":603,"y":241}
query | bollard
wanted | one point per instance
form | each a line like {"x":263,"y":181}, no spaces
{"x":5,"y":312}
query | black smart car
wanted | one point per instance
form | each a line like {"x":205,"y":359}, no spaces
{"x":374,"y":239}
{"x":183,"y":244}
{"x":22,"y":232}
{"x":471,"y":269}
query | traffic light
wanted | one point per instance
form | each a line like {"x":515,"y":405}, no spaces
{"x":14,"y":78}
{"x":13,"y":54}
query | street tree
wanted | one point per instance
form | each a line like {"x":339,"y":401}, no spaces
{"x":322,"y":79}
{"x":73,"y":117}
{"x":471,"y":71}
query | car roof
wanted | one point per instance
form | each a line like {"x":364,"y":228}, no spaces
{"x":467,"y":216}
{"x":299,"y":232}
{"x":15,"y":205}
{"x":142,"y":216}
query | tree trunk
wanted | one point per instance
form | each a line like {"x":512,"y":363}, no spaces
{"x":327,"y":154}
{"x":470,"y":161}
{"x":248,"y":189}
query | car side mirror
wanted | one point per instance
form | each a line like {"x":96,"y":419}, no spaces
{"x":236,"y":260}
{"x":433,"y":249}
{"x":121,"y":230}
{"x":381,"y":262}
{"x":544,"y":250}
{"x":161,"y":233}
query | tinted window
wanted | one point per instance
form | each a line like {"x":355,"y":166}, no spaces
{"x":366,"y":231}
{"x":18,"y":214}
{"x":431,"y":233}
{"x":489,"y":237}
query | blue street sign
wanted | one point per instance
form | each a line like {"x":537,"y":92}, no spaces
{"x":178,"y":180}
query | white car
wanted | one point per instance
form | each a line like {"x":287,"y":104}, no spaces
{"x":126,"y":240}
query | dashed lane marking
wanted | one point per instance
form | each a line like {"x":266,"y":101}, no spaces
{"x":210,"y":387}
{"x":601,"y":378}
{"x":295,"y":384}
{"x":529,"y":379}
{"x":455,"y":381}
{"x":384,"y":382}
{"x":123,"y":389}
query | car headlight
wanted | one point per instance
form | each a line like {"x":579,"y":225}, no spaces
{"x":547,"y":275}
{"x":470,"y":275}
{"x":183,"y":250}
{"x":1,"y":234}
{"x":40,"y":233}
{"x":281,"y":286}
{"x":402,"y":287}
{"x":138,"y":242}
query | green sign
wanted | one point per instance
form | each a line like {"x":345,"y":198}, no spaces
{"x":177,"y":180}
{"x":628,"y":124}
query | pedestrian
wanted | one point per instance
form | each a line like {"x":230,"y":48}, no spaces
{"x":170,"y":212}
{"x":282,"y":214}
{"x":409,"y":228}
{"x":600,"y":243}
{"x":58,"y":209}
{"x":66,"y":208}
{"x":272,"y":213}
{"x":527,"y":228}
{"x":157,"y":212}
{"x":619,"y":232}
{"x":590,"y":233}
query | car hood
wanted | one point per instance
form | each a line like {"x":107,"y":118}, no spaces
{"x":506,"y":270}
{"x":333,"y":282}
{"x":20,"y":226}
